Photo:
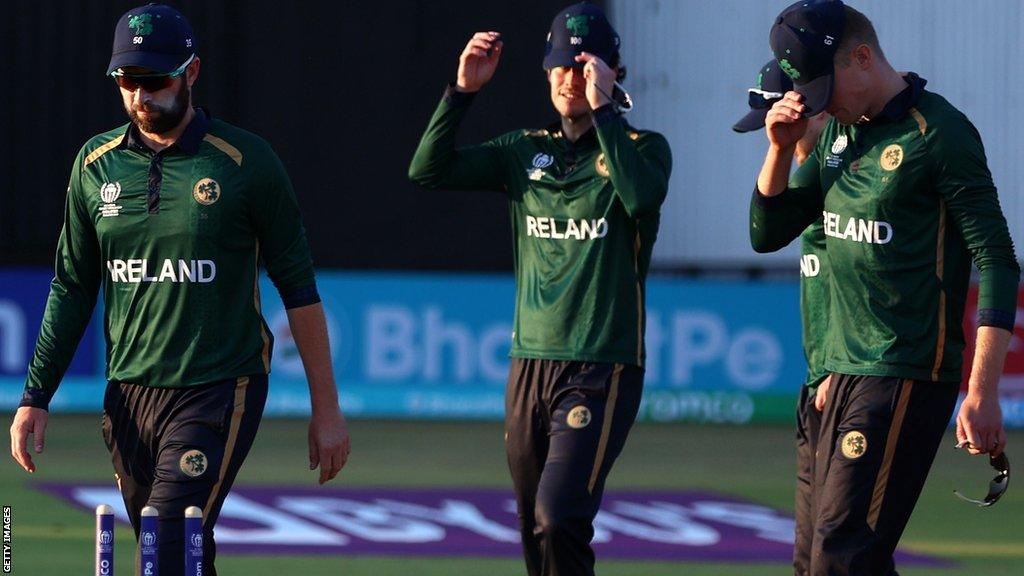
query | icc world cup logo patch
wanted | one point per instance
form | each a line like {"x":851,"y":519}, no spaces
{"x":193,"y":463}
{"x":206,"y":191}
{"x":855,"y":445}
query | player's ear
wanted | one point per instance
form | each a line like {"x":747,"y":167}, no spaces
{"x":863,"y":56}
{"x":192,"y":71}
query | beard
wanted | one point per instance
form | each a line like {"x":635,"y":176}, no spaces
{"x":161,"y":120}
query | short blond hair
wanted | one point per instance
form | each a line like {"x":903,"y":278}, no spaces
{"x":857,"y":30}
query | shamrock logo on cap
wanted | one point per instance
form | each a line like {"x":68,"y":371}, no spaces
{"x":141,"y":23}
{"x":577,"y":25}
{"x":788,"y":69}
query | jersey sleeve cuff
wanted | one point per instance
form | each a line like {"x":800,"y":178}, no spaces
{"x":997,"y":318}
{"x":770,"y":203}
{"x":299,"y":297}
{"x":457,"y":99}
{"x":605,"y":115}
{"x":35,"y":398}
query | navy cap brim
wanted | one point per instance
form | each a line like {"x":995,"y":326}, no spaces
{"x":817,"y":94}
{"x":754,"y":120}
{"x":559,"y":58}
{"x":158,"y":63}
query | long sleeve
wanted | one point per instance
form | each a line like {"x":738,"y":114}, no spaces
{"x":965,"y":184}
{"x":76,"y":282}
{"x":639,"y":169}
{"x":778,"y":220}
{"x":437,"y":163}
{"x":283,"y":246}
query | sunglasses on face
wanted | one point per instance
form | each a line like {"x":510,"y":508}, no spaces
{"x":997,"y":487}
{"x":759,"y":99}
{"x":149,"y":82}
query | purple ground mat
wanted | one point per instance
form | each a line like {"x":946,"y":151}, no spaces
{"x":633,"y":525}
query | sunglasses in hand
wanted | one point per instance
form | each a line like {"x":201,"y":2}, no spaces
{"x":997,"y":487}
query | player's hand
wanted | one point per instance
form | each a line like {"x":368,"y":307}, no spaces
{"x":805,"y":146}
{"x":28,"y":421}
{"x":979,"y":425}
{"x":329,"y":445}
{"x":478,"y":61}
{"x":599,"y":77}
{"x":822,"y":393}
{"x":785,"y":125}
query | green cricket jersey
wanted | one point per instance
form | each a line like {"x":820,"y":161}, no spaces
{"x":907,"y":203}
{"x":584,"y":218}
{"x":173,"y":240}
{"x":814,"y":300}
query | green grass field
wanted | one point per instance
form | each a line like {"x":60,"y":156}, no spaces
{"x":757,"y":463}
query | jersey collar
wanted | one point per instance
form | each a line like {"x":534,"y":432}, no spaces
{"x":188,"y":143}
{"x":589,"y":138}
{"x":897,"y":108}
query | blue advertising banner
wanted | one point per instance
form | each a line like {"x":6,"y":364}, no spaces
{"x":436,"y":346}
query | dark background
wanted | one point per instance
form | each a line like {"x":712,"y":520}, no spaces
{"x":341,"y":90}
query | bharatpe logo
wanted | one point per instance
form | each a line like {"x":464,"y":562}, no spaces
{"x":142,"y":24}
{"x":138,"y":271}
{"x":568,"y":229}
{"x":109,"y":193}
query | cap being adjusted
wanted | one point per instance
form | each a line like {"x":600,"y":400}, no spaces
{"x":804,"y":39}
{"x":580,"y":28}
{"x":772,"y":85}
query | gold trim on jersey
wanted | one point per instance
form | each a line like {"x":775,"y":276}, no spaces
{"x":241,"y":386}
{"x":95,"y":154}
{"x":224,"y":147}
{"x":639,"y":301}
{"x":940,"y":267}
{"x":606,"y":427}
{"x":265,"y":354}
{"x":922,"y":124}
{"x":882,"y":481}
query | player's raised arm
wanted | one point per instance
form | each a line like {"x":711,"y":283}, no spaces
{"x":478,"y":61}
{"x":437,"y":163}
{"x":783,"y":207}
{"x":638,"y":166}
